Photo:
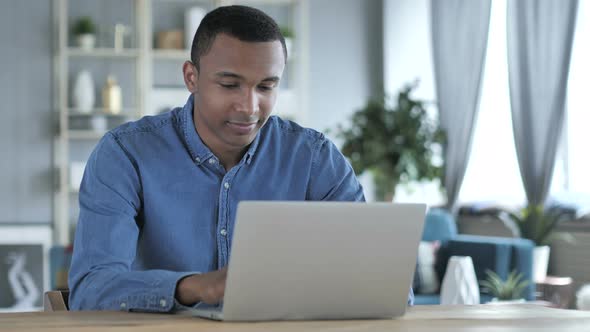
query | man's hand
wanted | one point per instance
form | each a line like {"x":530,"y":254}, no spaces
{"x":208,"y":287}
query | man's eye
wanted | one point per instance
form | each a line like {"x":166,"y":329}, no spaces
{"x":265,"y":87}
{"x":228,"y":86}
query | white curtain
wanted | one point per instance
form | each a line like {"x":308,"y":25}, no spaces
{"x":459,"y":40}
{"x":540,"y":34}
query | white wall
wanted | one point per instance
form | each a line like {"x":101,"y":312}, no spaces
{"x":346,"y":62}
{"x":25,"y":129}
{"x":407,"y":46}
{"x":345,"y":58}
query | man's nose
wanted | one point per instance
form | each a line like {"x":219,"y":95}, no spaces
{"x":249,"y":103}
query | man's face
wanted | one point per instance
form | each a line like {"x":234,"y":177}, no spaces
{"x":236,"y":90}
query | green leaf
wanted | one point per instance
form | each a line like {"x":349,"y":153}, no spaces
{"x":534,"y":222}
{"x":84,"y":25}
{"x":511,"y":288}
{"x":398,"y":142}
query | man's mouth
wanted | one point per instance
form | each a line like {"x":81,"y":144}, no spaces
{"x":244,"y":124}
{"x":242,"y":128}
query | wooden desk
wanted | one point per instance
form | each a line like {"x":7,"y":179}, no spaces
{"x":510,"y":317}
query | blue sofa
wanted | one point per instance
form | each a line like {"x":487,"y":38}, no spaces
{"x":501,"y":255}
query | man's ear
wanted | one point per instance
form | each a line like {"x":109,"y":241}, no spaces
{"x":191,"y":75}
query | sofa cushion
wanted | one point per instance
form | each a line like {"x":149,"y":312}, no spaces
{"x":487,"y":253}
{"x":426,"y":280}
{"x":439,"y":225}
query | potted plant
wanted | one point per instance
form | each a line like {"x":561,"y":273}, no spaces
{"x":505,"y":290}
{"x":534,"y":222}
{"x":84,"y":31}
{"x":396,"y":144}
{"x":538,"y":224}
{"x":289,"y":36}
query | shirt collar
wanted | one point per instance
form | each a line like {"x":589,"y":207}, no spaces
{"x":253,"y":146}
{"x":198,"y":150}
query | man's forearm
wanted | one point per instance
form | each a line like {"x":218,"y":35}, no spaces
{"x":106,"y":289}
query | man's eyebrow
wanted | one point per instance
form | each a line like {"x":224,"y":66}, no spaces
{"x":228,"y":74}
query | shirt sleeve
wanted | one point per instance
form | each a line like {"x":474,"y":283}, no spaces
{"x":332,"y":177}
{"x":101,"y":277}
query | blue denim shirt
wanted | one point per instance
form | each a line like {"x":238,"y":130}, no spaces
{"x":156,"y":205}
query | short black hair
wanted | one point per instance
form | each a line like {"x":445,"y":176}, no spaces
{"x":242,"y":22}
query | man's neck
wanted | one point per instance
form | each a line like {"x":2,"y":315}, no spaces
{"x":228,"y":157}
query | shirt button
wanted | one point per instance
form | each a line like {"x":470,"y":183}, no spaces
{"x":211,"y":161}
{"x":226,"y":185}
{"x":162,"y":303}
{"x":223,"y":232}
{"x":123,"y":305}
{"x":198,"y":159}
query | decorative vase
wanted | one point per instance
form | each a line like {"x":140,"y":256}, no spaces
{"x":86,"y":41}
{"x":583,"y":298}
{"x":111,"y":96}
{"x":459,"y":285}
{"x":192,"y":18}
{"x":83,"y":92}
{"x":540,"y":262}
{"x":120,"y":31}
{"x":170,"y":39}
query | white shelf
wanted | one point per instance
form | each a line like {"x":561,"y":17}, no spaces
{"x":103,"y":53}
{"x":171,"y":54}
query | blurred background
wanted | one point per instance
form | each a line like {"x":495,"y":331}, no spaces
{"x":478,"y":108}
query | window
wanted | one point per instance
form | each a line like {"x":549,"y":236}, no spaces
{"x":492,"y":170}
{"x":492,"y":173}
{"x":577,"y":156}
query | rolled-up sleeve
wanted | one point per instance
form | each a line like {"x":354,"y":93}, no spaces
{"x":106,"y":237}
{"x":332,"y":177}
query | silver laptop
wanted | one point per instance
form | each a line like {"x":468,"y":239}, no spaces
{"x":320,"y":260}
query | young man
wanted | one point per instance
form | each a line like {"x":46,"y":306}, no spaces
{"x":159,"y":196}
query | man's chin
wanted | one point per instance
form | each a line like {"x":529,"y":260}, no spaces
{"x":241,"y":137}
{"x":241,"y":141}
